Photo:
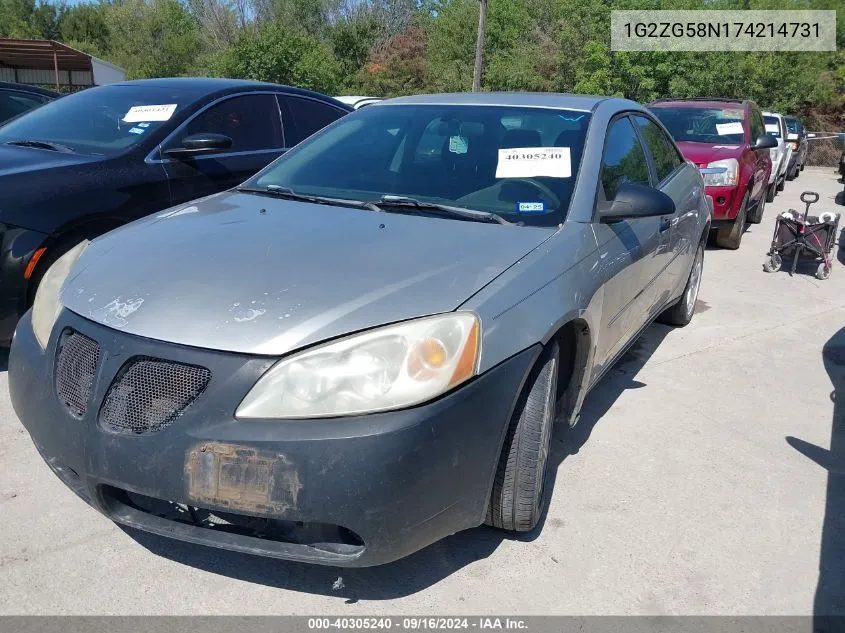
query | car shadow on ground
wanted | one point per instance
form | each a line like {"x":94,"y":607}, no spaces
{"x":4,"y":358}
{"x":434,"y":563}
{"x":829,"y":604}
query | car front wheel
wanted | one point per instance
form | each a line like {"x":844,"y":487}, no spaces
{"x":517,"y":499}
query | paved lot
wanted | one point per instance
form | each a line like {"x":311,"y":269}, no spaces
{"x":696,"y":483}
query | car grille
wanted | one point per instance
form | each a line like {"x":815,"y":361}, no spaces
{"x":77,"y":359}
{"x":148,"y":394}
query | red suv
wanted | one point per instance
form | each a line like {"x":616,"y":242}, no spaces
{"x":727,"y":140}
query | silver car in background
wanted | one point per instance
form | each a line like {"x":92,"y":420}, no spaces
{"x":782,"y":154}
{"x":363,"y":348}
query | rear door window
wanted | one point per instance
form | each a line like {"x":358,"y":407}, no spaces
{"x":308,"y":116}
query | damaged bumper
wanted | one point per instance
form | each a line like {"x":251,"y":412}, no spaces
{"x":354,"y":491}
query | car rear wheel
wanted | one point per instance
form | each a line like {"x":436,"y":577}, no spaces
{"x":781,"y":183}
{"x":682,"y":312}
{"x":517,"y":499}
{"x":730,"y":237}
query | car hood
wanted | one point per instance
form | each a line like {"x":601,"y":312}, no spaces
{"x":246,"y":273}
{"x":703,"y":153}
{"x":16,"y":160}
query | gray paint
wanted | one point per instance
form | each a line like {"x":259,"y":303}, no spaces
{"x":222,"y":274}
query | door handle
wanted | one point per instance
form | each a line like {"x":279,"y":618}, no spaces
{"x":664,"y":224}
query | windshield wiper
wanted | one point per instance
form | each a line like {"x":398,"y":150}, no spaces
{"x":283,"y":192}
{"x":458,"y":212}
{"x":53,"y":147}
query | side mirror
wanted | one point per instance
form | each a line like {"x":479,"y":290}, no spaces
{"x":199,"y":144}
{"x":766,"y":141}
{"x":637,"y":201}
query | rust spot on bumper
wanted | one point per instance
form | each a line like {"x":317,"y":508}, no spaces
{"x":241,"y":478}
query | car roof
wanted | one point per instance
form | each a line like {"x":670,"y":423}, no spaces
{"x":511,"y":99}
{"x":698,"y":103}
{"x":28,"y":88}
{"x":199,"y":86}
{"x":775,"y":114}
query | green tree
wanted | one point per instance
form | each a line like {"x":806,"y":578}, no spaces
{"x":152,"y":38}
{"x":281,"y":56}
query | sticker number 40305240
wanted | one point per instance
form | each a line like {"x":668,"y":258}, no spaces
{"x":531,"y":162}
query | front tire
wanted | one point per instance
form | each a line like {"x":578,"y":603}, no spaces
{"x":517,"y":499}
{"x":770,"y":193}
{"x":757,"y":216}
{"x":682,"y":312}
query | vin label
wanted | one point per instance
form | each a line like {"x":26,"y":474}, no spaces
{"x":701,"y":31}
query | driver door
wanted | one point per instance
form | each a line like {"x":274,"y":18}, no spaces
{"x":252,"y":121}
{"x":631,"y":252}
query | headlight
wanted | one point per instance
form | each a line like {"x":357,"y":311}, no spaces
{"x":774,"y":153}
{"x":386,"y":368}
{"x":46,"y":307}
{"x":725,"y":173}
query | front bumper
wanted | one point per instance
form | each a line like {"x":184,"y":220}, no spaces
{"x":16,"y":248}
{"x":726,"y":202}
{"x":356,"y":491}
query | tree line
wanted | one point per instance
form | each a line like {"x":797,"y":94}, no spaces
{"x":395,"y":47}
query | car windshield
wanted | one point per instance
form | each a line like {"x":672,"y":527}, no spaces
{"x":107,"y":120}
{"x":792,"y":125}
{"x":704,"y":125}
{"x":772,"y":126}
{"x":520,"y":163}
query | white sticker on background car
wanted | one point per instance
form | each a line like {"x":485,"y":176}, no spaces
{"x":734,"y":127}
{"x":138,"y":114}
{"x":531,"y":162}
{"x":772,"y":127}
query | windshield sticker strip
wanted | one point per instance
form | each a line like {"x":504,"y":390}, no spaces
{"x":532,"y":162}
{"x":138,"y":114}
{"x":734,"y":127}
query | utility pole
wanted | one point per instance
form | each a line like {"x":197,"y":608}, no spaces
{"x":479,"y":45}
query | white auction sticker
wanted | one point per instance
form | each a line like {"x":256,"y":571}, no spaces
{"x":772,"y":127}
{"x":734,"y":127}
{"x":531,"y":162}
{"x":140,"y":114}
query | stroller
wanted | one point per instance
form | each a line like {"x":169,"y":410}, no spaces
{"x":809,"y":237}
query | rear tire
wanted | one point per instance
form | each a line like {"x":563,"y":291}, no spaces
{"x":682,"y":312}
{"x":517,"y":499}
{"x":781,"y":184}
{"x":730,"y":237}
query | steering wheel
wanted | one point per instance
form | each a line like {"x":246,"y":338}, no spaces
{"x":551,"y":198}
